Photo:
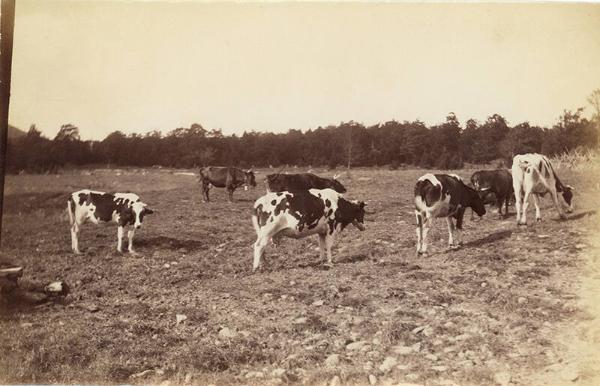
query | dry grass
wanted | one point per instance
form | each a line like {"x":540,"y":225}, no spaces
{"x":484,"y":308}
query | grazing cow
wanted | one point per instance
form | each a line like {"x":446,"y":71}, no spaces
{"x":498,"y":182}
{"x":302,"y":213}
{"x":443,"y":195}
{"x":225,"y":177}
{"x":533,"y":174}
{"x":122,"y":208}
{"x":303,"y":181}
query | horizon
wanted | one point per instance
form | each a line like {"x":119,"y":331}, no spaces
{"x":272,"y":67}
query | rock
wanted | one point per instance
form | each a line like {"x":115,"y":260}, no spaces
{"x":368,"y":366}
{"x":431,"y":357}
{"x":388,"y":364}
{"x":418,"y":329}
{"x":26,"y":325}
{"x":356,"y":345}
{"x":412,"y":376}
{"x":462,"y":337}
{"x":92,"y":308}
{"x":255,"y":374}
{"x":57,"y":288}
{"x":167,"y":265}
{"x":502,"y":378}
{"x":180,"y":318}
{"x":225,"y":332}
{"x":416,"y":346}
{"x":439,"y":368}
{"x":483,"y":285}
{"x":188,"y":378}
{"x":335,"y":381}
{"x":300,"y":320}
{"x":317,"y":303}
{"x":449,"y":349}
{"x":428,"y":331}
{"x":521,"y":300}
{"x":402,"y":350}
{"x":141,"y":374}
{"x":279,"y":372}
{"x":372,"y":379}
{"x":580,"y":246}
{"x":376,"y":341}
{"x":332,"y":360}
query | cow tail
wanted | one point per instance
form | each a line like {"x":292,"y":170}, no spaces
{"x":557,"y":182}
{"x":255,"y":221}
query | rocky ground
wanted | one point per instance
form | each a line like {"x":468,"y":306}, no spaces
{"x":512,"y":306}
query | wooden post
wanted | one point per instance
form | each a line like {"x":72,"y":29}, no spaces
{"x":7,"y":26}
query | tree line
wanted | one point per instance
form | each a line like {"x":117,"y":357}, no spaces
{"x":448,"y":145}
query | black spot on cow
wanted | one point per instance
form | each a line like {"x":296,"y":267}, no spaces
{"x":307,"y":208}
{"x":347,"y":212}
{"x":273,"y":202}
{"x":428,"y":192}
{"x":327,"y":203}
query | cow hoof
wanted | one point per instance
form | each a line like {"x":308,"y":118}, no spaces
{"x":519,"y":223}
{"x":327,"y":266}
{"x":134,"y":253}
{"x":78,"y":252}
{"x":538,"y":220}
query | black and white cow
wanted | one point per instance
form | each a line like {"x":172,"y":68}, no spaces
{"x":99,"y":207}
{"x":497,"y":181}
{"x":443,"y":195}
{"x":229,"y":178}
{"x":302,"y":213}
{"x":534,"y":175}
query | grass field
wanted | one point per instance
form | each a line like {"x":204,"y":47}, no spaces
{"x":504,"y":308}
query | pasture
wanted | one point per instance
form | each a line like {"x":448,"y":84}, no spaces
{"x":507,"y":307}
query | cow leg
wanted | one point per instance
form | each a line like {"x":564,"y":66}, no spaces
{"x":499,"y":202}
{"x":450,"y":231}
{"x":419,"y":217}
{"x":518,"y":189}
{"x":525,"y":207}
{"x":536,"y":203}
{"x":230,"y":192}
{"x":329,"y":238}
{"x":322,"y":245}
{"x":130,"y":234}
{"x":120,"y":239}
{"x":75,"y":238}
{"x":558,"y":204}
{"x":459,"y":221}
{"x":205,"y":190}
{"x":425,"y":229}
{"x":259,"y":249}
{"x":506,"y":202}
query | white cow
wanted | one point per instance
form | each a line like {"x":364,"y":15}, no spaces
{"x":122,"y":208}
{"x":533,"y":174}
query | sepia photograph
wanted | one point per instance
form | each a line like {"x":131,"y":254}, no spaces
{"x":299,"y":193}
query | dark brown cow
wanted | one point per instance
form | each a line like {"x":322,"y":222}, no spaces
{"x":229,"y":178}
{"x":303,"y":181}
{"x":498,"y":182}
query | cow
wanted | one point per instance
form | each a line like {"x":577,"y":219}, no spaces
{"x":301,"y":213}
{"x":229,"y":178}
{"x":443,"y":195}
{"x":304,"y":181}
{"x":100,"y":207}
{"x":534,"y":175}
{"x":498,"y":182}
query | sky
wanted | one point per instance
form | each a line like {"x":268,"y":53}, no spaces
{"x":159,"y":65}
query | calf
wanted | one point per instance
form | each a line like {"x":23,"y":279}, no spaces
{"x":498,"y":182}
{"x":303,"y":181}
{"x":533,"y":174}
{"x":229,"y":178}
{"x":302,"y":213}
{"x":443,"y":195}
{"x":122,"y":208}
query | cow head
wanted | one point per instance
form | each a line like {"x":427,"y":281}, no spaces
{"x":337,"y":185}
{"x":249,"y":179}
{"x":567,"y":195}
{"x":475,"y":201}
{"x":351,"y":212}
{"x":139,"y":210}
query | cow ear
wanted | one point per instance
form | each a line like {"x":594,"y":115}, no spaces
{"x":336,"y":176}
{"x":148,"y":211}
{"x":569,"y":187}
{"x":362,"y":204}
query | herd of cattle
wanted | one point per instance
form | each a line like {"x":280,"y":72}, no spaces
{"x":299,"y":205}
